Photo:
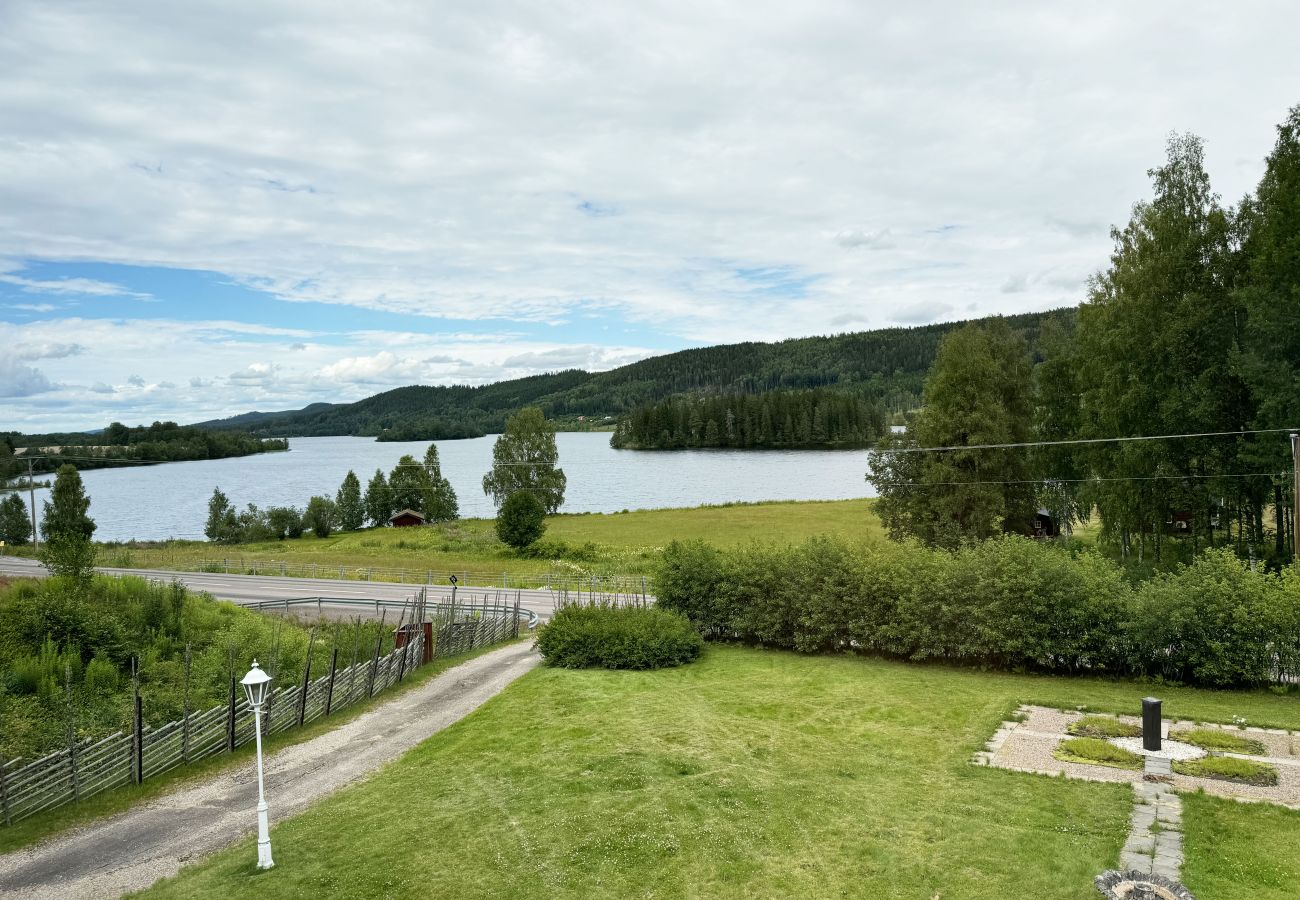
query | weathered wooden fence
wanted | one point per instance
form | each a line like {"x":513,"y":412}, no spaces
{"x":84,"y":769}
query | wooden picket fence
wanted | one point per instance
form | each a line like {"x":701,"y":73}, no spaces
{"x":84,"y":769}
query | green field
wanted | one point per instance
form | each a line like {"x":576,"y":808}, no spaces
{"x":751,"y":774}
{"x":626,"y":543}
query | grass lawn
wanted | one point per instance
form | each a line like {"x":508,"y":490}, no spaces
{"x":1239,"y":849}
{"x":616,"y":543}
{"x":748,"y":774}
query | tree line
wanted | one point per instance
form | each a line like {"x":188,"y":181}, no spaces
{"x":119,"y":445}
{"x":525,"y":483}
{"x":1193,"y":329}
{"x":819,"y":417}
{"x":417,"y":486}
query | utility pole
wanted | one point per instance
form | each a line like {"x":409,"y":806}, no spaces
{"x":31,"y":493}
{"x":1295,"y":496}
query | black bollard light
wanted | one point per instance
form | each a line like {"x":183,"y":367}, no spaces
{"x":1150,"y":724}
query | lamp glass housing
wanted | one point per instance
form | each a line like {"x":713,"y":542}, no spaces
{"x":256,"y":685}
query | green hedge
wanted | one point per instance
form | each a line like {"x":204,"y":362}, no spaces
{"x":618,"y":637}
{"x":1009,"y":603}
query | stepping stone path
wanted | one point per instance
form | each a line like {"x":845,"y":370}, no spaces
{"x":1155,"y":839}
{"x":1152,"y":859}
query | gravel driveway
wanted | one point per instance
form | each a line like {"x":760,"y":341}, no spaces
{"x":131,"y":850}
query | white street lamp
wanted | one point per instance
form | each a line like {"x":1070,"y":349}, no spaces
{"x":257,"y":685}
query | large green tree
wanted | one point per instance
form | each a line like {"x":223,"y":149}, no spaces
{"x":1059,"y":466}
{"x":978,"y":392}
{"x":67,"y":529}
{"x":15,"y":526}
{"x":410,"y":485}
{"x":1158,"y":348}
{"x":379,"y":500}
{"x":525,"y":458}
{"x":348,"y":503}
{"x":440,"y":503}
{"x":222,"y":526}
{"x":1269,"y":290}
{"x":320,"y":516}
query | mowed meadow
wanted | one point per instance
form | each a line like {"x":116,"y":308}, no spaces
{"x":751,"y":773}
{"x":624,"y":543}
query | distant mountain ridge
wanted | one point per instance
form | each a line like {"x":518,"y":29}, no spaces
{"x":886,"y":366}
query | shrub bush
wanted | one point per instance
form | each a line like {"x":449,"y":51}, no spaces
{"x":618,"y":637}
{"x":1008,"y":603}
{"x":101,"y":676}
{"x":1214,"y":622}
{"x":521,"y":521}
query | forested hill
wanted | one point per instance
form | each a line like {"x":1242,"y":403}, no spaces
{"x":886,"y":367}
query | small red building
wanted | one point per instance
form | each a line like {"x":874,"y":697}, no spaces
{"x":406,"y":518}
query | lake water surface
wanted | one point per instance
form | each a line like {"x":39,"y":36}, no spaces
{"x":171,"y":500}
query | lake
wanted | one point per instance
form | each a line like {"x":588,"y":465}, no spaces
{"x":171,"y":500}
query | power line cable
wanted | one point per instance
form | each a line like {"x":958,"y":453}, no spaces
{"x":116,"y":461}
{"x":1006,"y":446}
{"x":1084,"y":480}
{"x":1108,"y":440}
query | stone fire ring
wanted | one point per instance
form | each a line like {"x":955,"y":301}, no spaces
{"x":1140,"y":886}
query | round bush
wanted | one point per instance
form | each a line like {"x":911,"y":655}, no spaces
{"x":521,"y":521}
{"x":618,"y":637}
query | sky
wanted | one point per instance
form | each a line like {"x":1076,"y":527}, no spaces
{"x":213,"y":207}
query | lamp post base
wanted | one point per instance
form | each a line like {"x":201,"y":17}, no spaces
{"x":264,"y":860}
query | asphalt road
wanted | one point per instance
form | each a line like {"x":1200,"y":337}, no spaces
{"x":246,"y":589}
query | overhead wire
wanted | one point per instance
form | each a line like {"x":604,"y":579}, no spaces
{"x":1086,"y":480}
{"x":1106,"y":440}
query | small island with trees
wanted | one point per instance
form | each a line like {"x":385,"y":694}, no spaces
{"x":119,"y":445}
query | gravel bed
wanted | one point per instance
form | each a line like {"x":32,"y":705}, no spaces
{"x":1028,"y":748}
{"x":1168,"y":749}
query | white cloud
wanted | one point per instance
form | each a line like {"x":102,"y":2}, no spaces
{"x":17,"y":380}
{"x":854,"y":239}
{"x":711,"y":171}
{"x":1016,"y":284}
{"x":921,"y":312}
{"x":591,"y":357}
{"x":68,"y":286}
{"x":384,"y":367}
{"x":192,"y":371}
{"x":529,"y":164}
{"x":254,"y":373}
{"x":47,"y":350}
